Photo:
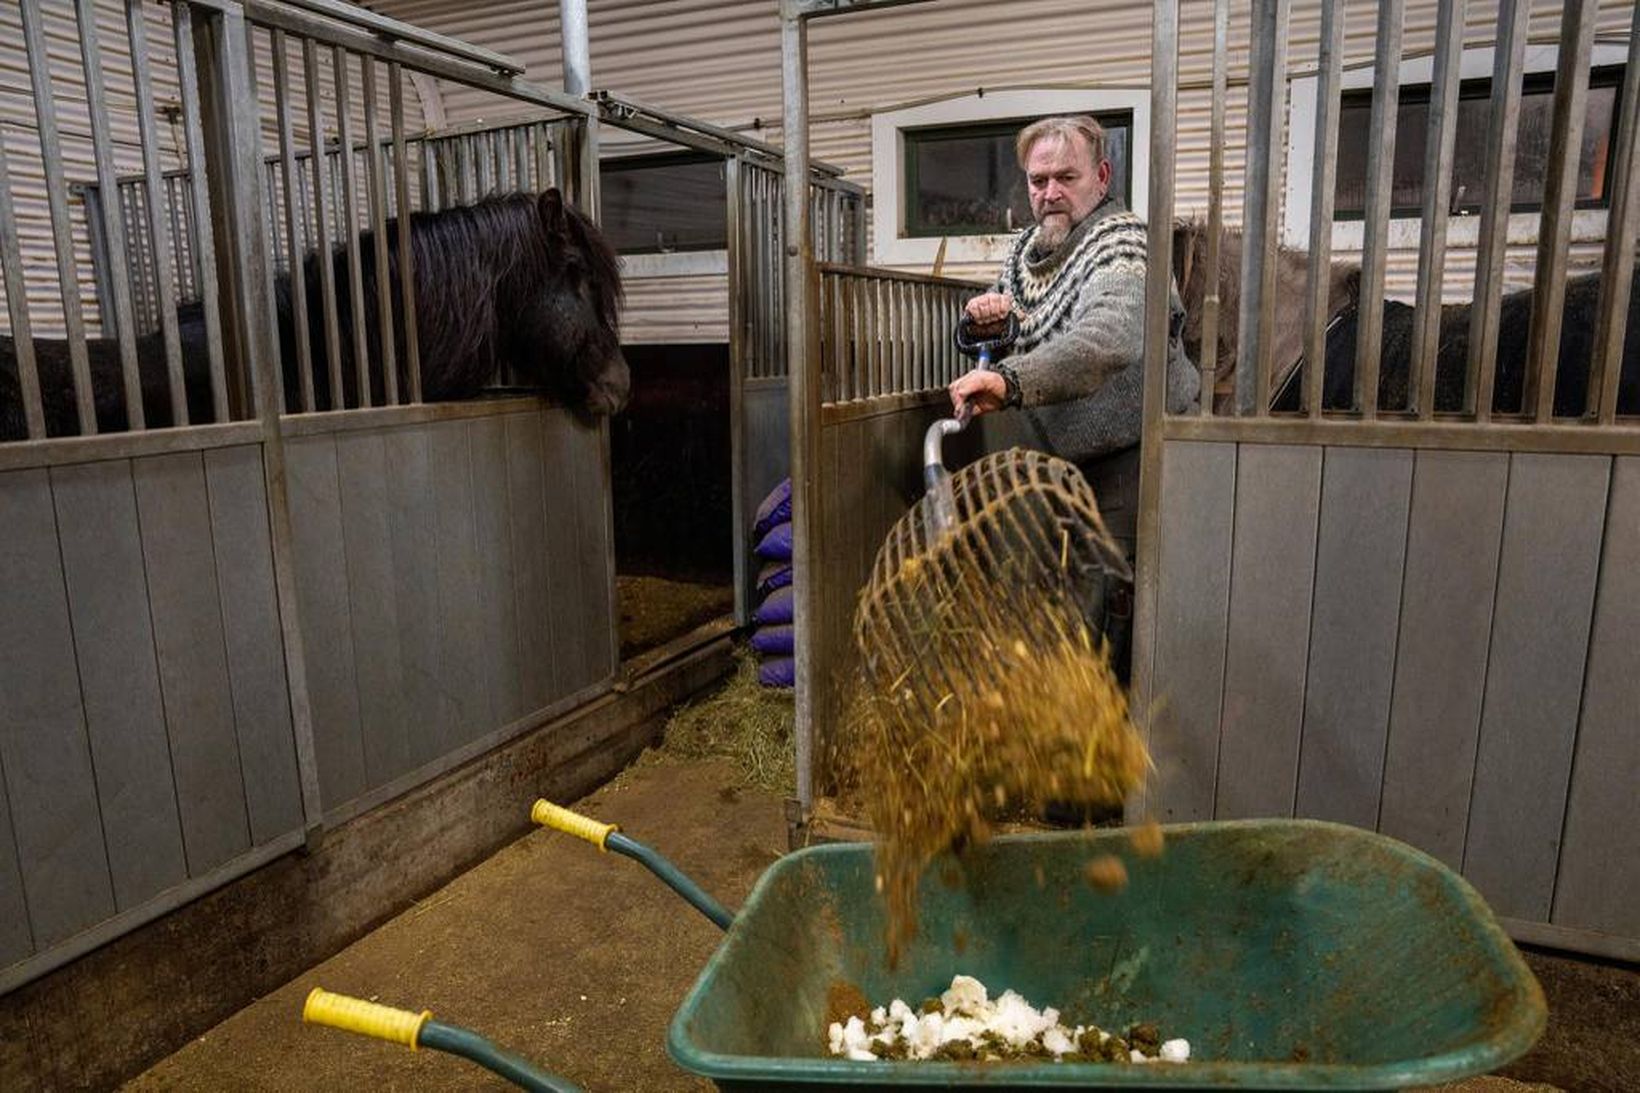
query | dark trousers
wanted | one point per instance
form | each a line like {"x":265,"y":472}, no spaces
{"x":1115,"y":482}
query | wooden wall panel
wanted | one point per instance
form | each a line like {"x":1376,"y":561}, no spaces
{"x":255,"y":643}
{"x":1192,"y":617}
{"x":1454,"y":530}
{"x":1598,"y":886}
{"x":1278,"y":492}
{"x":385,"y":710}
{"x":44,"y":752}
{"x":1552,"y":532}
{"x":191,"y":646}
{"x":1360,"y":551}
{"x":326,"y":617}
{"x":119,"y":677}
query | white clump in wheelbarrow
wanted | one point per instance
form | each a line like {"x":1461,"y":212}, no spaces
{"x":964,"y":1023}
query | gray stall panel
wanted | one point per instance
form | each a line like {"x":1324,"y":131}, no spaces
{"x":1453,"y":534}
{"x":1360,"y":551}
{"x":180,"y":560}
{"x":488,"y":437}
{"x":410,"y":526}
{"x":119,"y":677}
{"x":454,"y":531}
{"x":568,"y":538}
{"x":322,"y":600}
{"x":1534,"y":682}
{"x":536,"y":598}
{"x":43,"y":749}
{"x":1278,"y":491}
{"x":256,"y":658}
{"x":1198,"y":507}
{"x":1599,"y":883}
{"x":385,"y":711}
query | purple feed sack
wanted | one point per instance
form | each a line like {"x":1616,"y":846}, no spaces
{"x":776,"y":608}
{"x":774,"y":640}
{"x":777,"y":544}
{"x":780,"y":672}
{"x":773,"y":575}
{"x":776,"y":509}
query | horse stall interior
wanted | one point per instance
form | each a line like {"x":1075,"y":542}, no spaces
{"x":1380,"y":591}
{"x":306,"y":472}
{"x":694,"y":212}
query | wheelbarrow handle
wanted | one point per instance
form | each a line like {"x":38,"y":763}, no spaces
{"x":559,"y":818}
{"x":420,"y":1030}
{"x":351,"y":1014}
{"x":608,"y":837}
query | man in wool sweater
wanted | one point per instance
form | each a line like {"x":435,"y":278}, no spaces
{"x":1077,"y":281}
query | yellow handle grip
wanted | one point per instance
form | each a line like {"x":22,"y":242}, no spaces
{"x":562,"y":819}
{"x":365,"y":1018}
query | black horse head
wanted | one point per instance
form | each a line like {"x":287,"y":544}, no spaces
{"x":565,"y":335}
{"x":518,"y":285}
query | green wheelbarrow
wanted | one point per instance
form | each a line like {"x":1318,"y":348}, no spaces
{"x":1292,"y":954}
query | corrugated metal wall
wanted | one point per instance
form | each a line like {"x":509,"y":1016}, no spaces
{"x":720,"y":61}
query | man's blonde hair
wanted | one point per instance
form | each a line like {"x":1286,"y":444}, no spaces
{"x":1061,"y":128}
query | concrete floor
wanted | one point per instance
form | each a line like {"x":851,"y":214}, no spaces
{"x":578,"y":961}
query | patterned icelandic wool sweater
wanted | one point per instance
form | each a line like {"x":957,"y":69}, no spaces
{"x":1079,"y":360}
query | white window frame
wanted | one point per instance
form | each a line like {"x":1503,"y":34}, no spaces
{"x":1588,"y":225}
{"x":892,"y":247}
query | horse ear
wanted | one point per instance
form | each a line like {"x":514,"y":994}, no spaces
{"x":551,"y":207}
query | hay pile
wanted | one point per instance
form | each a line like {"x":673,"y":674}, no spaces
{"x":744,"y":722}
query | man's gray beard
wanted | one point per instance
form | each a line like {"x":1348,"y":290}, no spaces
{"x":1051,"y":233}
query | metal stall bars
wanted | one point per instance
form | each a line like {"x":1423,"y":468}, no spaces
{"x":154,"y":259}
{"x":802,"y":343}
{"x":1265,"y":154}
{"x":757,"y":313}
{"x":454,"y":168}
{"x":246,"y":784}
{"x":1397,"y":616}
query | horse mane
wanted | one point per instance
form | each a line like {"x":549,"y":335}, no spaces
{"x":473,"y":267}
{"x":1190,"y":238}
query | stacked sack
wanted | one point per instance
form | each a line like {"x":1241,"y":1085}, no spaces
{"x":772,"y":620}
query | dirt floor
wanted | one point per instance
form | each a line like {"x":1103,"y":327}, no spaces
{"x":654,"y":610}
{"x":578,"y":961}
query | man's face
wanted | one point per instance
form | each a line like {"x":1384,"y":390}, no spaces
{"x":1065,"y":185}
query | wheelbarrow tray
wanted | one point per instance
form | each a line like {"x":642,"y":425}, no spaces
{"x":1291,"y":954}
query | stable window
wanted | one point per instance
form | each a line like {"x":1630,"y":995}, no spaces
{"x":1469,"y":158}
{"x":664,"y":204}
{"x":964,"y":179}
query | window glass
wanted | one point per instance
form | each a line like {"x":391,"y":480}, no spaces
{"x":662,"y":204}
{"x":964,"y":180}
{"x":1469,"y":155}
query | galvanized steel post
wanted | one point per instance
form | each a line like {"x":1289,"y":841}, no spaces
{"x":572,"y":26}
{"x":803,"y":382}
{"x":1164,"y":105}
